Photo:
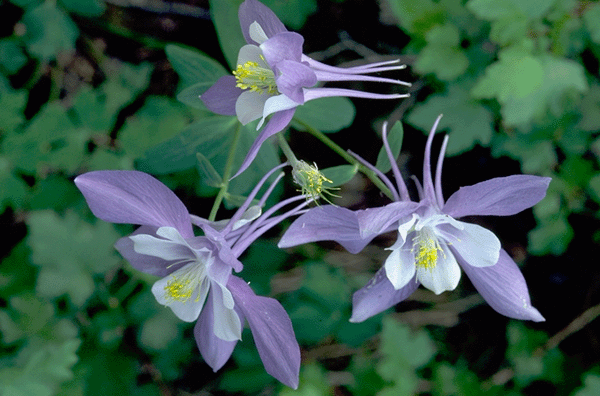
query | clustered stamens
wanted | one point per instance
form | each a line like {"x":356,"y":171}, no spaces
{"x":426,"y":248}
{"x":181,"y":285}
{"x":311,"y":180}
{"x":255,"y":78}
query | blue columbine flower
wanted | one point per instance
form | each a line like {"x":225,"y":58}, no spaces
{"x":432,"y":245}
{"x":273,"y":76}
{"x":196,"y":271}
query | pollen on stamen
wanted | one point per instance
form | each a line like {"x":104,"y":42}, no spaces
{"x":180,"y":289}
{"x":426,"y":248}
{"x":255,"y":78}
{"x":311,"y":180}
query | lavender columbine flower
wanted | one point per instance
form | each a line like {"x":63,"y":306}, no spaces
{"x":432,"y":245}
{"x":196,"y":271}
{"x":273,"y":76}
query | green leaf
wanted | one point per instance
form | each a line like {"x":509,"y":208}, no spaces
{"x":160,"y":119}
{"x":293,"y":13}
{"x":212,"y":137}
{"x":49,"y":31}
{"x":194,"y":67}
{"x":15,"y":191}
{"x":326,"y":114}
{"x":224,"y":14}
{"x":535,"y":151}
{"x":12,"y":104}
{"x":313,"y":382}
{"x":527,"y":86}
{"x":208,"y":174}
{"x":12,"y":58}
{"x":86,"y":8}
{"x":551,"y":237}
{"x":319,"y":307}
{"x":492,"y":10}
{"x":591,"y":18}
{"x":62,"y":247}
{"x":50,"y":140}
{"x":402,"y":352}
{"x":43,"y":372}
{"x":591,"y":386}
{"x":417,"y":17}
{"x":339,"y":175}
{"x":442,"y":55}
{"x":467,"y":121}
{"x":395,"y":137}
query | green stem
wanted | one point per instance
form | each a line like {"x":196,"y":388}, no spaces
{"x":287,"y":150}
{"x":350,"y":159}
{"x":226,"y":173}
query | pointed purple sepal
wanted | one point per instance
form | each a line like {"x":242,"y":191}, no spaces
{"x":503,"y":287}
{"x":326,"y":223}
{"x":134,"y":197}
{"x":375,"y":221}
{"x":253,"y":11}
{"x":272,"y":331}
{"x":501,"y":196}
{"x":379,"y":295}
{"x":277,"y":122}
{"x":220,"y":98}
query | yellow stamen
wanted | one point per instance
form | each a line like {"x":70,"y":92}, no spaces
{"x":184,"y":282}
{"x":310,"y":180}
{"x":252,"y":76}
{"x":426,"y":247}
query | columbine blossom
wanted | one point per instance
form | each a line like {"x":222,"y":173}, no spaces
{"x":273,"y":76}
{"x":432,"y":245}
{"x":196,"y":271}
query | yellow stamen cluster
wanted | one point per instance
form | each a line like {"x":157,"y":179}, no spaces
{"x":255,"y":78}
{"x":310,"y":180}
{"x":426,"y":247}
{"x":184,"y":282}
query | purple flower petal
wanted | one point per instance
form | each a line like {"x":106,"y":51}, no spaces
{"x":326,"y":223}
{"x":283,"y":46}
{"x":316,"y":93}
{"x":133,"y":197}
{"x":503,"y":287}
{"x":292,"y":77}
{"x":221,"y":97}
{"x":378,"y":295}
{"x":277,"y":122}
{"x":272,"y":331}
{"x":502,"y":196}
{"x":254,"y":11}
{"x":375,"y":221}
{"x":214,"y":350}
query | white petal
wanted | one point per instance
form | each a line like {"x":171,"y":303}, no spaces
{"x":405,"y":228}
{"x":252,"y":53}
{"x":400,"y":266}
{"x":163,"y":248}
{"x":187,"y":311}
{"x":227,"y":324}
{"x":477,"y":245}
{"x":252,"y":213}
{"x":444,"y":276}
{"x":249,"y":106}
{"x":275,"y":104}
{"x":257,"y":33}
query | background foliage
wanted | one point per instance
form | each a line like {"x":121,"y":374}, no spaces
{"x":91,"y":84}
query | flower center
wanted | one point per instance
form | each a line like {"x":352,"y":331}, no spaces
{"x":252,"y":76}
{"x":185,"y":281}
{"x":426,"y":248}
